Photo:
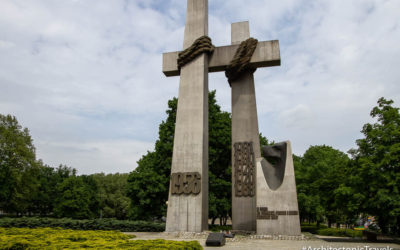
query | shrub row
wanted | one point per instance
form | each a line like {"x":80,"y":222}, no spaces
{"x":96,"y":224}
{"x":217,"y":228}
{"x":56,"y":238}
{"x":326,"y":231}
{"x":339,"y":232}
{"x":312,"y":228}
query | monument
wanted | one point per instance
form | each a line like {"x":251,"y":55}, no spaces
{"x":188,"y":197}
{"x":251,"y":196}
{"x":245,"y":137}
{"x":277,"y":208}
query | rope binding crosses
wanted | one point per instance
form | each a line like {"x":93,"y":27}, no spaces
{"x":238,"y":65}
{"x":241,"y":61}
{"x":200,"y":45}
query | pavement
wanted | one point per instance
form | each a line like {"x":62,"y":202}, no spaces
{"x":247,"y":242}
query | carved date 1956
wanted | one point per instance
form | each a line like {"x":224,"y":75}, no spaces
{"x":185,"y":183}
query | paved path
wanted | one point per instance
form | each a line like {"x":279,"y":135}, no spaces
{"x":318,"y":243}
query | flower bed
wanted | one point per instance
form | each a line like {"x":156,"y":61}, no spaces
{"x":57,"y":238}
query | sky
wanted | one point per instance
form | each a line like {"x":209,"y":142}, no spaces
{"x":85,"y":76}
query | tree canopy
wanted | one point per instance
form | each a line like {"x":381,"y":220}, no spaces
{"x":335,"y":188}
{"x":331,"y":187}
{"x":149,"y":182}
{"x":318,"y":173}
{"x":112,"y":197}
{"x":17,"y":164}
{"x":377,"y":166}
{"x":30,"y":187}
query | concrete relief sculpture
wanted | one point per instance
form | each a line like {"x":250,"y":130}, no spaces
{"x":185,"y":183}
{"x":264,"y":214}
{"x":277,"y":208}
{"x":275,"y":171}
{"x":244,"y":167}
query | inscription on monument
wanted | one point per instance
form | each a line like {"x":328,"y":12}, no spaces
{"x":185,"y":183}
{"x":244,"y":167}
{"x":264,"y":214}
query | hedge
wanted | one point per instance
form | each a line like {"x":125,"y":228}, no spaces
{"x":217,"y":228}
{"x":57,"y":238}
{"x":339,"y":232}
{"x":326,"y":231}
{"x":96,"y":224}
{"x":312,"y":228}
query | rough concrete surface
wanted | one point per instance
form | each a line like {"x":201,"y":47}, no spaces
{"x":190,"y":153}
{"x":244,"y":129}
{"x":284,"y":198}
{"x":266,"y":55}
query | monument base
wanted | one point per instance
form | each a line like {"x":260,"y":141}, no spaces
{"x":277,"y":208}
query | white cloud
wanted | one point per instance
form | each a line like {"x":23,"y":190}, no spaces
{"x":94,"y":157}
{"x":6,"y":45}
{"x":299,"y":116}
{"x":341,"y":60}
{"x":83,"y":75}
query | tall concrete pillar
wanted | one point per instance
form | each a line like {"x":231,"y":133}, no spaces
{"x":188,"y":196}
{"x":245,"y":143}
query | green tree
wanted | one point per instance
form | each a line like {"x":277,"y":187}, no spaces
{"x":149,"y":182}
{"x":42,"y":202}
{"x":28,"y":186}
{"x":264,"y":141}
{"x":44,"y":199}
{"x":112,"y":195}
{"x":77,"y":198}
{"x":220,"y":203}
{"x":220,"y":188}
{"x":318,"y":174}
{"x":18,"y":167}
{"x":377,"y":161}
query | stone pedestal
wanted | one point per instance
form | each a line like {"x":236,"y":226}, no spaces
{"x":277,"y":208}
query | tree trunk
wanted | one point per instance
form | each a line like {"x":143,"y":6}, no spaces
{"x":213,"y":220}
{"x":382,"y":224}
{"x":398,"y":226}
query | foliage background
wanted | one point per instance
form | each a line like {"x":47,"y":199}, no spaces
{"x":333,"y":187}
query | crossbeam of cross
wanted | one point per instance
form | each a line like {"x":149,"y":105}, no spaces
{"x":267,"y":54}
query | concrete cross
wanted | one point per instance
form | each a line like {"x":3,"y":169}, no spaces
{"x":190,"y":153}
{"x":245,"y":132}
{"x":188,"y":211}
